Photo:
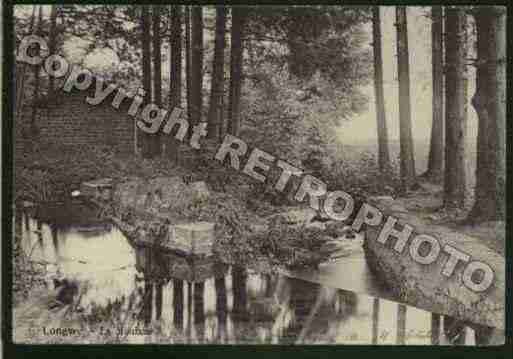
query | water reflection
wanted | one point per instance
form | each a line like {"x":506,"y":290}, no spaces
{"x":401,"y":324}
{"x":435,"y":329}
{"x":375,"y":320}
{"x":203,"y":301}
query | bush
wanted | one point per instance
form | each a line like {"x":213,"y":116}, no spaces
{"x":361,"y":177}
{"x":52,"y":172}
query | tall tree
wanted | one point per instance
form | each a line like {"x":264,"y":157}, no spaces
{"x":383,"y":154}
{"x":455,"y":117}
{"x":188,"y":76}
{"x":20,"y":78}
{"x":490,"y":104}
{"x":52,"y":46}
{"x":146,"y":72}
{"x":37,"y":77}
{"x":436,"y":148}
{"x":196,"y":64}
{"x":405,"y":133}
{"x":236,"y":56}
{"x":155,"y":144}
{"x":175,"y":76}
{"x":215,"y":113}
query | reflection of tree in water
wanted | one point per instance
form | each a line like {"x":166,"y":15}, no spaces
{"x":221,"y":307}
{"x":345,"y":304}
{"x":26,"y":219}
{"x":454,"y":330}
{"x":178,"y":303}
{"x":147,"y":302}
{"x":189,"y":311}
{"x":199,"y":310}
{"x":55,"y":240}
{"x":155,"y":277}
{"x":303,"y":297}
{"x":243,"y":326}
{"x":18,"y":219}
{"x":125,"y":311}
{"x":317,"y":312}
{"x":375,"y":320}
{"x":240,"y":298}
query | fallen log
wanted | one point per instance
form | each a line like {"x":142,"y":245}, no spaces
{"x":424,"y":285}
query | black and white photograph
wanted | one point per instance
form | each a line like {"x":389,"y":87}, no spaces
{"x":256,"y":175}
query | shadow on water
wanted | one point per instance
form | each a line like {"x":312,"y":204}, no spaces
{"x":205,"y":301}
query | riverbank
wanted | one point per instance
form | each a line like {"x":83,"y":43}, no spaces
{"x":28,"y":275}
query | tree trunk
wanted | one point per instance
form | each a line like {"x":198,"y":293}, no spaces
{"x":483,"y":23}
{"x":217,"y":83}
{"x":52,"y":45}
{"x":221,"y":114}
{"x":20,"y":78}
{"x":383,"y":154}
{"x":155,"y":144}
{"x":436,"y":148}
{"x":175,"y":76}
{"x":37,"y":70}
{"x":455,"y":121}
{"x":188,"y":60}
{"x":196,"y":64}
{"x":236,"y":57}
{"x":146,"y":70}
{"x":403,"y":67}
{"x":497,"y":109}
{"x":490,"y":102}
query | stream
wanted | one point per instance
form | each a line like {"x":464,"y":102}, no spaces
{"x":341,"y":303}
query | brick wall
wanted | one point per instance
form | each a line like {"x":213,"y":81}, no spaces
{"x":67,"y":119}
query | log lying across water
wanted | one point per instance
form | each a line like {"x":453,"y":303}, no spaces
{"x":424,"y":285}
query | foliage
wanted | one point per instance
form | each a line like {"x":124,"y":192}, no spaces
{"x":27,"y":274}
{"x":326,"y":40}
{"x":300,"y":83}
{"x":304,"y":80}
{"x":290,"y":246}
{"x":294,"y":119}
{"x":51,"y":173}
{"x":361,"y":177}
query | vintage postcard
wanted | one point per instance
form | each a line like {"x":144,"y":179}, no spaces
{"x":322,"y":174}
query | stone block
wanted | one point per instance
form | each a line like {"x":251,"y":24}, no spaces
{"x":199,"y":190}
{"x":100,"y":189}
{"x":193,"y":238}
{"x":297,"y":216}
{"x":150,"y":195}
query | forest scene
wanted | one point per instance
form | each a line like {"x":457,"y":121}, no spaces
{"x":128,"y":233}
